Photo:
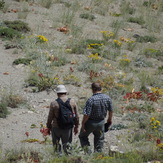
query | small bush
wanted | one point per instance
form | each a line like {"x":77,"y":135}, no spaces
{"x":138,"y":20}
{"x":152,"y":53}
{"x":3,"y":110}
{"x":46,"y":3}
{"x":24,"y":61}
{"x":13,"y":100}
{"x":2,"y":4}
{"x":141,"y":39}
{"x":9,"y":33}
{"x":81,"y":46}
{"x":160,"y":69}
{"x":141,"y":62}
{"x":87,"y":16}
{"x":17,"y":25}
{"x":41,"y":81}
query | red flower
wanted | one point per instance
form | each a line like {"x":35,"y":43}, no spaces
{"x":40,"y":75}
{"x":158,"y":141}
{"x":27,"y":134}
{"x":44,"y":131}
{"x":71,"y":69}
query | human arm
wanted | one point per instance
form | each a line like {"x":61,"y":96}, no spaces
{"x":76,"y":115}
{"x":109,"y":120}
{"x":85,"y":118}
{"x":50,"y":117}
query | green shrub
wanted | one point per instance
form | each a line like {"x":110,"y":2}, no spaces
{"x":141,"y":39}
{"x":17,"y":25}
{"x":160,"y":69}
{"x":142,"y":62}
{"x":2,"y":4}
{"x":3,"y":110}
{"x":46,"y":3}
{"x":81,"y":46}
{"x":138,"y":20}
{"x":42,"y":82}
{"x":87,"y":16}
{"x":153,"y":53}
{"x":13,"y":100}
{"x":9,"y":33}
{"x":24,"y":61}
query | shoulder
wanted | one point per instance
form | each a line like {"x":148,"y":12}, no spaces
{"x":54,"y":104}
{"x":72,"y":101}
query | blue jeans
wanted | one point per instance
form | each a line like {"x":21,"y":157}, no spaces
{"x":97,"y":128}
{"x":65,"y":135}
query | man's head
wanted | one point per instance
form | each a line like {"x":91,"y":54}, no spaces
{"x":61,"y":89}
{"x":96,"y":87}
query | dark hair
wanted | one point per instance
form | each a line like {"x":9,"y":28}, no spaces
{"x":96,"y":87}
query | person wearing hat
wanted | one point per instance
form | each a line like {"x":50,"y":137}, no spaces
{"x":95,"y":111}
{"x":53,"y":125}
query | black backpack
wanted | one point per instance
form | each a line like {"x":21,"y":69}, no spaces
{"x":66,"y":118}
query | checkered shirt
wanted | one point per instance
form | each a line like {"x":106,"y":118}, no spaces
{"x":97,"y":106}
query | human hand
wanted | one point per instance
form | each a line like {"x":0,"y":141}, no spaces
{"x":109,"y":122}
{"x":83,"y":128}
{"x":75,"y":130}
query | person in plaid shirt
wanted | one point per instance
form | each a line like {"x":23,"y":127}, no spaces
{"x":96,"y":109}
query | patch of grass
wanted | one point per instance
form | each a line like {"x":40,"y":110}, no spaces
{"x":42,"y":82}
{"x":87,"y":16}
{"x":145,"y":39}
{"x":142,"y":62}
{"x":9,"y":33}
{"x":18,"y":25}
{"x":153,"y":53}
{"x":13,"y":100}
{"x":138,"y":20}
{"x":3,"y":110}
{"x":81,"y":46}
{"x":160,"y":69}
{"x":126,"y":8}
{"x":2,"y":4}
{"x":46,"y":3}
{"x":24,"y":61}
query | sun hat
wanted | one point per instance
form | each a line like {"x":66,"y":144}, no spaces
{"x":61,"y":89}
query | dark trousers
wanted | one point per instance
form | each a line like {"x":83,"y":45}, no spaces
{"x":65,"y":135}
{"x":97,"y":128}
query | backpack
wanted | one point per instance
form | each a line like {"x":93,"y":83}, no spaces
{"x":66,"y":118}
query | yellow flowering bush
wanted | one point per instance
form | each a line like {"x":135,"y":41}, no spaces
{"x":157,"y":90}
{"x":95,"y":57}
{"x":160,"y":146}
{"x":42,"y":38}
{"x":154,"y":123}
{"x":107,"y":34}
{"x":127,"y":40}
{"x":124,"y":62}
{"x":117,"y":43}
{"x":94,"y":46}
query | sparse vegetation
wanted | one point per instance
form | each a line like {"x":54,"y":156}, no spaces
{"x":116,"y":43}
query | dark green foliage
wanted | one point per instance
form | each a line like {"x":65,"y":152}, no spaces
{"x":87,"y":16}
{"x":17,"y":25}
{"x":9,"y":33}
{"x":3,"y":110}
{"x":138,"y":20}
{"x":24,"y":61}
{"x":160,"y":69}
{"x":151,"y":39}
{"x":118,"y":127}
{"x":147,"y":3}
{"x":2,"y":4}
